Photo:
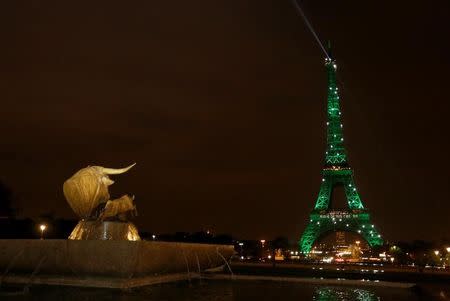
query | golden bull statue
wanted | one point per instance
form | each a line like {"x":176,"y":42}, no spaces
{"x":101,"y":218}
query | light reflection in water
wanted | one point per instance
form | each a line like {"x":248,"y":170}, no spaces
{"x":343,"y":294}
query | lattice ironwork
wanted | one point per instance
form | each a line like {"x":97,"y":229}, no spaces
{"x":337,"y":172}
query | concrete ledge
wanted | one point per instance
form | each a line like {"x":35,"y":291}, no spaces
{"x":99,"y":282}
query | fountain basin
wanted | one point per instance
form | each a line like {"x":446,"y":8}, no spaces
{"x":105,"y":263}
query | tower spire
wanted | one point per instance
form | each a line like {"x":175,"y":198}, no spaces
{"x":329,"y":54}
{"x":335,"y":154}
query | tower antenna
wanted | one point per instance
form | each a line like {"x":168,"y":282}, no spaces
{"x":308,"y":24}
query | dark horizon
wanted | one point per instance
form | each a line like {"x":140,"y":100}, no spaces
{"x":222,"y":106}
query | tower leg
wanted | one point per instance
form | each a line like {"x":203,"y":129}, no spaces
{"x":326,"y":222}
{"x":308,"y":238}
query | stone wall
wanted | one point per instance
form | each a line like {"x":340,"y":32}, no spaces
{"x":123,"y":259}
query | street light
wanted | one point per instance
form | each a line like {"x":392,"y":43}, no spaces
{"x":241,"y":247}
{"x":262,"y":241}
{"x":42,"y":227}
{"x":436,"y":252}
{"x":448,"y":249}
{"x":153,"y":236}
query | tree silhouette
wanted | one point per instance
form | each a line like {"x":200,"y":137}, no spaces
{"x":6,"y":199}
{"x":279,"y":242}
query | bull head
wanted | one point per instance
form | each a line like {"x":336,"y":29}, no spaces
{"x":88,"y":188}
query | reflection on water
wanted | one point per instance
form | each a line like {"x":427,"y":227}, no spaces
{"x":340,"y":294}
{"x":225,"y":291}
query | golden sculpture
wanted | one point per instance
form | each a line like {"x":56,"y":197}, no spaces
{"x":88,"y":196}
{"x":119,"y":208}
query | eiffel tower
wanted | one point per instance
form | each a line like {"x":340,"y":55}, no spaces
{"x":337,"y":172}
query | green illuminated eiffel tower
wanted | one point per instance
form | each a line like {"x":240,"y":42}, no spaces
{"x":337,"y":172}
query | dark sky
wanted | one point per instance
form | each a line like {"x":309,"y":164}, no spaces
{"x":222,"y":106}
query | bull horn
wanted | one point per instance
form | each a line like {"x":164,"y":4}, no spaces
{"x":118,"y":171}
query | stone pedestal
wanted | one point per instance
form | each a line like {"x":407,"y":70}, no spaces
{"x":107,"y":230}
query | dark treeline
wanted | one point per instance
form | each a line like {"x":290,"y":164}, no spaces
{"x":27,"y":228}
{"x":6,"y":201}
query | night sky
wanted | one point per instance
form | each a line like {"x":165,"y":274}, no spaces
{"x":222,"y":105}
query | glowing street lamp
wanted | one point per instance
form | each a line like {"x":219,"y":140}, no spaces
{"x":241,"y":249}
{"x":448,"y":249}
{"x":436,"y":252}
{"x":42,"y":227}
{"x":154,"y":237}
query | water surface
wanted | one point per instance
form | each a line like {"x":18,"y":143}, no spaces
{"x":227,"y":291}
